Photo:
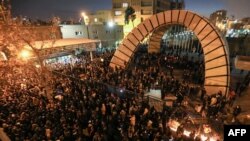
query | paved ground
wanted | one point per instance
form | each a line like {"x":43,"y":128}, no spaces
{"x":244,"y":99}
{"x":244,"y":102}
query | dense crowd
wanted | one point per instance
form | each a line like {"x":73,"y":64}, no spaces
{"x":79,"y":106}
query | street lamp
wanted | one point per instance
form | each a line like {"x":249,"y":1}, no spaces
{"x":111,"y":24}
{"x":25,"y":54}
{"x":84,"y":16}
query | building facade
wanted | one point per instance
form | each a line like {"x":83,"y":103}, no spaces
{"x":100,"y":17}
{"x":246,"y":23}
{"x":230,"y":27}
{"x":219,"y":19}
{"x":109,"y":36}
{"x":143,"y":9}
{"x":218,"y":16}
{"x":177,"y":4}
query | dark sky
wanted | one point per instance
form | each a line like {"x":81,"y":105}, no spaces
{"x":238,"y":8}
{"x":45,"y":9}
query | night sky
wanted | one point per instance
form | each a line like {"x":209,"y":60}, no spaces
{"x":66,"y":9}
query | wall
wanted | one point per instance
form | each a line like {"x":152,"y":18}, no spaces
{"x":143,"y":9}
{"x":73,"y":31}
{"x":218,"y":16}
{"x":108,"y":35}
{"x":100,"y":17}
{"x":239,"y":46}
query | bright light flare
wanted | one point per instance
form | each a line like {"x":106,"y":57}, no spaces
{"x":173,"y":124}
{"x":111,"y":23}
{"x":187,"y":133}
{"x":83,"y":14}
{"x":173,"y":129}
{"x":212,"y":139}
{"x":37,"y":66}
{"x":25,"y":54}
{"x":203,"y":138}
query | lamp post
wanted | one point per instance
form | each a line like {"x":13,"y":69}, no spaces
{"x":85,"y":17}
{"x":111,"y":25}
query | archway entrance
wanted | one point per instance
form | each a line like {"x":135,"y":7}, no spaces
{"x":216,"y":57}
{"x":174,"y":36}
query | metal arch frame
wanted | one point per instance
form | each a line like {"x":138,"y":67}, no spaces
{"x":215,"y":48}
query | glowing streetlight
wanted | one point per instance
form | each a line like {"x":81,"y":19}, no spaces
{"x":83,"y":14}
{"x":111,"y":23}
{"x":85,"y":18}
{"x":25,"y":54}
{"x":96,"y":20}
{"x":85,"y":22}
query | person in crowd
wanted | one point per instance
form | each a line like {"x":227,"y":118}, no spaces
{"x":236,"y":111}
{"x":87,"y":100}
{"x":232,"y":97}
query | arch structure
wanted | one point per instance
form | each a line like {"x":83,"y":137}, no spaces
{"x":216,"y":56}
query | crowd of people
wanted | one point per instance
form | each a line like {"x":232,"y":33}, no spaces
{"x":74,"y":102}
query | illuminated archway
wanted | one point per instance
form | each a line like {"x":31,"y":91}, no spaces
{"x":216,"y":57}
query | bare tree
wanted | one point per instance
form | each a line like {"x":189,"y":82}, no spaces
{"x":16,"y":36}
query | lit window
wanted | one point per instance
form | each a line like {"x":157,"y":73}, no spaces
{"x":118,"y":13}
{"x":124,"y":5}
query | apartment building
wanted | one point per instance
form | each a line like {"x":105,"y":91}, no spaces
{"x":143,"y":8}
